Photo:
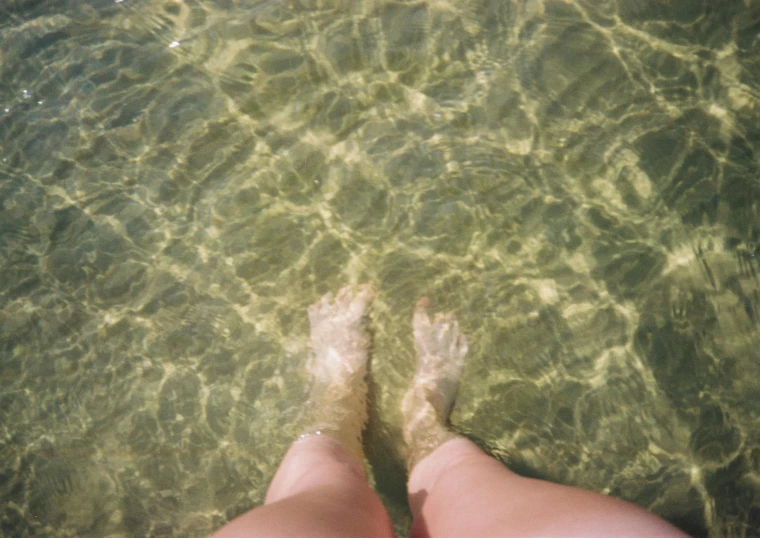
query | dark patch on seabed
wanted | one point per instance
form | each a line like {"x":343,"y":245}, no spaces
{"x":578,"y":180}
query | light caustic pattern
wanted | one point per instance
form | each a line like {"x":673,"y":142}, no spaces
{"x":179,"y":181}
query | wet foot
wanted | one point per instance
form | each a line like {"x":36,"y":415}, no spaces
{"x":337,"y":365}
{"x":339,"y":341}
{"x":441,"y":349}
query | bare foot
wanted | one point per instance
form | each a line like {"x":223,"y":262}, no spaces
{"x":339,"y":342}
{"x":337,"y":364}
{"x":441,"y":348}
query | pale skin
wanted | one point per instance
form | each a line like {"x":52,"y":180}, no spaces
{"x":455,"y":489}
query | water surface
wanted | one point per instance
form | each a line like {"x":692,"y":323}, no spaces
{"x":577,"y":180}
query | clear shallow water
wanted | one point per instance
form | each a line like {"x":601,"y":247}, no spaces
{"x":179,"y":181}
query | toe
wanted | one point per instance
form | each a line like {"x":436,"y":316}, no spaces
{"x":421,"y":318}
{"x":344,"y":295}
{"x":366,"y":292}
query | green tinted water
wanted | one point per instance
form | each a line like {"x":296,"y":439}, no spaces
{"x":578,"y":181}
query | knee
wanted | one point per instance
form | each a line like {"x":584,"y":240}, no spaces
{"x":312,"y":463}
{"x":324,"y":483}
{"x":457,"y":460}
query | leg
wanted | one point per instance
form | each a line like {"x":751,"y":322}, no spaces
{"x":318,"y":491}
{"x":491,"y":500}
{"x":320,"y":488}
{"x":455,"y":489}
{"x":426,"y":406}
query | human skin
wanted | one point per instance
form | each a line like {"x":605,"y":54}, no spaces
{"x":319,"y":490}
{"x":455,"y":489}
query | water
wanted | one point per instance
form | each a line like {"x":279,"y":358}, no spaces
{"x":578,"y":181}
